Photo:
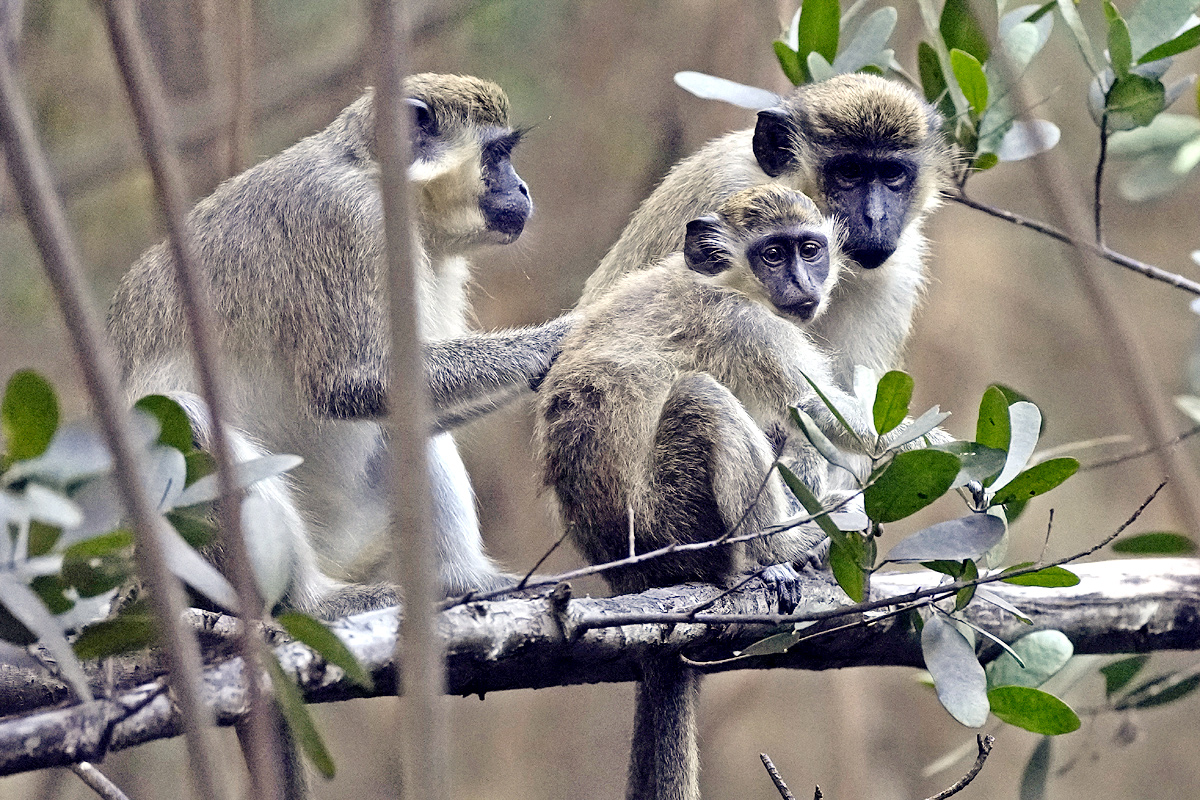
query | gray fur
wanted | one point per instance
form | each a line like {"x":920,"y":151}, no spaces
{"x":870,"y":313}
{"x":292,"y":252}
{"x":665,"y":411}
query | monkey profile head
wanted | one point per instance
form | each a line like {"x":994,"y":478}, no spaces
{"x":870,"y":148}
{"x":467,"y":189}
{"x":771,"y":243}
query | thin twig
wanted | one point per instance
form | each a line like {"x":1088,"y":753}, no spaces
{"x":776,"y":778}
{"x":557,"y":543}
{"x":985,"y":749}
{"x":939,"y":592}
{"x":1145,"y":451}
{"x":1098,"y":196}
{"x":98,"y":781}
{"x":1142,"y":268}
{"x":46,"y":218}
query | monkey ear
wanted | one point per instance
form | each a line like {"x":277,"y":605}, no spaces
{"x":423,"y":119}
{"x":773,"y":141}
{"x":701,"y":247}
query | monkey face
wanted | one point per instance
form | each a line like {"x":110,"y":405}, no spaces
{"x":792,"y":267}
{"x":505,"y":201}
{"x":872,"y":195}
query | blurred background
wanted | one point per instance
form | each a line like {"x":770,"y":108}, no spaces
{"x":593,"y":80}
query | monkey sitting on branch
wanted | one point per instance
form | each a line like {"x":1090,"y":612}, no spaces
{"x":292,"y":254}
{"x":662,"y":418}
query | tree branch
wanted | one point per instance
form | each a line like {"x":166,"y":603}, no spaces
{"x":1119,"y":606}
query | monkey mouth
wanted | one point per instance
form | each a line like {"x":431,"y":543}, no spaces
{"x":805,"y":310}
{"x":870,"y":258}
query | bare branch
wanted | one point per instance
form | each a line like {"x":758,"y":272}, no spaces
{"x":985,"y":749}
{"x":1148,"y":270}
{"x":98,"y":782}
{"x":784,"y":792}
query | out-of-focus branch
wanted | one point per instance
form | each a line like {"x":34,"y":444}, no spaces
{"x":423,"y":724}
{"x":47,"y":223}
{"x":149,"y":107}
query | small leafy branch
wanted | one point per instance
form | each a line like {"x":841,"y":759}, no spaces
{"x":68,"y":551}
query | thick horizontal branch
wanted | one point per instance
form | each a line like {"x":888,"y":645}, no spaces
{"x":1119,"y":606}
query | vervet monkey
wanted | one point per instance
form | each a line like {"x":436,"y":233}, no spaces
{"x":869,"y":152}
{"x":292,"y":254}
{"x":662,"y":418}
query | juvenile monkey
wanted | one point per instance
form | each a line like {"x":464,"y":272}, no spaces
{"x":663,"y":416}
{"x":869,"y":152}
{"x":292,"y":253}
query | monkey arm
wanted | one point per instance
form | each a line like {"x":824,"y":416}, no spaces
{"x":472,"y":375}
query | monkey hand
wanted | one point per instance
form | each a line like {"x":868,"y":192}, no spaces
{"x":555,"y":331}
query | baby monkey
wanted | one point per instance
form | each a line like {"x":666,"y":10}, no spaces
{"x":669,"y":404}
{"x":661,"y":420}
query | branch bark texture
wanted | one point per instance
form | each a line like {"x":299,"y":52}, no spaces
{"x":1118,"y":607}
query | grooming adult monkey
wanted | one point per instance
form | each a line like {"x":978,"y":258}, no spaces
{"x":868,"y":151}
{"x":292,"y":251}
{"x":663,"y":416}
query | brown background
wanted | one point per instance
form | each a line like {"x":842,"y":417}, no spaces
{"x":593,"y":79}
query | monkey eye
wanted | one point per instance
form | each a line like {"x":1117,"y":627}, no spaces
{"x":774,"y":255}
{"x":894,"y":175}
{"x":809,"y":249}
{"x":847,"y":173}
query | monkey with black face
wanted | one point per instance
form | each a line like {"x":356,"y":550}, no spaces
{"x":868,"y":151}
{"x":292,"y":253}
{"x":662,"y":418}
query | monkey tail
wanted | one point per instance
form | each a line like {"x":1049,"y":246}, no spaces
{"x":664,"y":761}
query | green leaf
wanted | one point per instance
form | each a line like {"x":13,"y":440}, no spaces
{"x":199,"y":465}
{"x":868,"y":46}
{"x":27,"y":608}
{"x":1118,"y":674}
{"x":132,"y":630}
{"x":51,"y":589}
{"x":1153,"y":22}
{"x":789,"y":62}
{"x":963,"y":597}
{"x":929,"y":69}
{"x":1036,"y":775}
{"x":818,"y":68}
{"x":1043,"y":654}
{"x":891,"y":400}
{"x":197,"y":530}
{"x":963,"y":539}
{"x":42,"y":538}
{"x":844,"y":555}
{"x":325,"y":643}
{"x":957,"y":676}
{"x":1036,"y":480}
{"x":819,"y":28}
{"x":971,"y":79}
{"x":960,"y":30}
{"x":28,"y":414}
{"x":820,"y":442}
{"x":1181,"y":43}
{"x":774,"y":645}
{"x":985,"y":161}
{"x":1049,"y":578}
{"x":1160,"y":691}
{"x":1156,"y":544}
{"x":1134,"y":101}
{"x":978,"y":463}
{"x":1070,"y":16}
{"x":1120,"y":51}
{"x":1033,"y":710}
{"x":175,"y":430}
{"x":810,"y":502}
{"x":833,"y":409}
{"x":96,"y":565}
{"x":952,"y":568}
{"x":992,"y":429}
{"x":299,"y":722}
{"x":913,"y":480}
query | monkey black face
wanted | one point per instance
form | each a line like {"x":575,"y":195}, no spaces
{"x":873,"y":195}
{"x":791,"y":263}
{"x":505,"y":201}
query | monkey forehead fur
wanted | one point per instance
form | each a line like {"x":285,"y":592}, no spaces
{"x":863,"y":111}
{"x":768,"y":206}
